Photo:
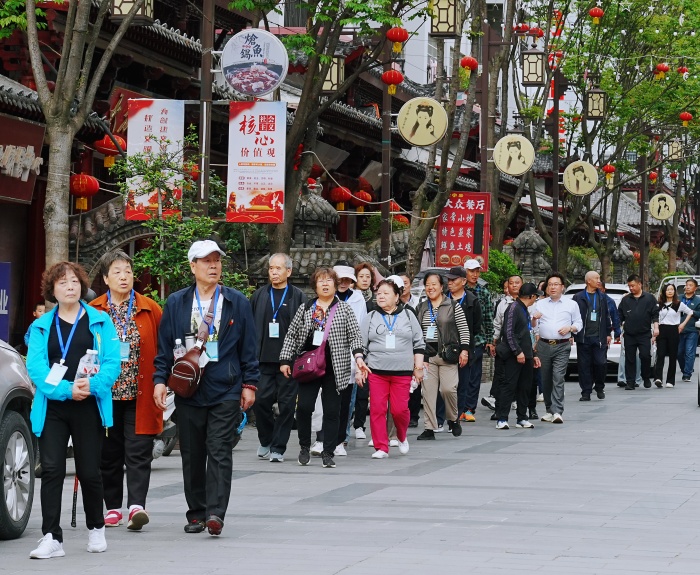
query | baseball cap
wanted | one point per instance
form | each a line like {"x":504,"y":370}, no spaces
{"x":202,"y":249}
{"x":345,"y":272}
{"x":472,"y":265}
{"x":529,"y":289}
{"x":456,"y":272}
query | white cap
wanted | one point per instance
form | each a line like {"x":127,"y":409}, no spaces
{"x":202,"y":249}
{"x":397,"y":281}
{"x":345,"y":272}
{"x":472,"y":265}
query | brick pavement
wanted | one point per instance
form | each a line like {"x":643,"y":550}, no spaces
{"x":614,"y":490}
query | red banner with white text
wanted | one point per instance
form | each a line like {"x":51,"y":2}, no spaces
{"x":464,"y":230}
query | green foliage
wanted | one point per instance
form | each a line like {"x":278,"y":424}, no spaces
{"x":373,"y":228}
{"x":13,"y":16}
{"x":501,"y":267}
{"x":582,"y":256}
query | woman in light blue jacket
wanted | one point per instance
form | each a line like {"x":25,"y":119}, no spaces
{"x":68,"y":405}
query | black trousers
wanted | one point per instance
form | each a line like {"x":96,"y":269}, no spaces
{"x":274,"y":387}
{"x":330,"y":398}
{"x":123,"y":447}
{"x":206,"y":441}
{"x":515,"y":385}
{"x":667,"y":346}
{"x":592,"y":359}
{"x":634,"y":344}
{"x":534,"y":390}
{"x":361,"y":406}
{"x":414,"y":403}
{"x":80,"y":420}
{"x":344,"y":417}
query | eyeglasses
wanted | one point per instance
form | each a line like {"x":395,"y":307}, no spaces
{"x":554,"y":285}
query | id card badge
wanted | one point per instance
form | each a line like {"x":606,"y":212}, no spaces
{"x":124,"y":348}
{"x":212,"y":350}
{"x":318,"y":337}
{"x":390,"y":341}
{"x":56,"y":374}
{"x":594,"y":315}
{"x":432,"y":332}
{"x":273,"y":330}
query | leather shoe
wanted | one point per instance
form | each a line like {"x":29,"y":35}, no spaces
{"x":215,"y":524}
{"x":585,"y":397}
{"x":629,"y":388}
{"x":194,"y":526}
{"x":533,"y":414}
{"x":600,"y":393}
{"x":621,"y":384}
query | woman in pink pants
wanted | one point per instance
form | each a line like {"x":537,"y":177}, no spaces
{"x":394,"y":342}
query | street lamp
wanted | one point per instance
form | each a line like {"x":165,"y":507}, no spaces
{"x":335,"y":76}
{"x":534,"y":75}
{"x":444,"y":19}
{"x":121,"y":8}
{"x":675,"y":150}
{"x":596,"y":104}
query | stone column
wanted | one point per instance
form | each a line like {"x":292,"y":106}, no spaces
{"x":529,"y":254}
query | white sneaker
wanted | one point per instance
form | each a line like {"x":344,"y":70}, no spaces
{"x":503,"y":424}
{"x":669,"y":385}
{"x":394,"y":443}
{"x":403,"y":447}
{"x":540,"y":397}
{"x":317,"y":449}
{"x":360,"y":433}
{"x":547,"y":417}
{"x":379,"y":454}
{"x":557,"y":418}
{"x":340,"y":450}
{"x":48,"y":548}
{"x":96,"y":540}
{"x":439,"y":429}
{"x":524,"y":423}
{"x":370,"y":443}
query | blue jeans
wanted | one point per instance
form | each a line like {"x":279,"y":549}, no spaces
{"x":468,"y":392}
{"x":686,"y":352}
{"x":621,"y":367}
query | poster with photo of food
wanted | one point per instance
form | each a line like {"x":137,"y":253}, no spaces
{"x":256,"y":162}
{"x":464,"y":230}
{"x":154,"y":126}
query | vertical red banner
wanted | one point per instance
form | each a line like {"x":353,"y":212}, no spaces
{"x":464,"y":230}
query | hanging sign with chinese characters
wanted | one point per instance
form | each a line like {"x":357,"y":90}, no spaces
{"x":155,"y":126}
{"x":464,"y":230}
{"x":254,"y":62}
{"x":256,"y":162}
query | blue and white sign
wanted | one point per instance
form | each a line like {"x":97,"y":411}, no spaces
{"x":5,"y":268}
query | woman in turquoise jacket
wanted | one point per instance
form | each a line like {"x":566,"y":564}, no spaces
{"x":67,"y":405}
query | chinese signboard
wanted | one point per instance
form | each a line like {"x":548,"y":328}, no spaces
{"x":256,"y":162}
{"x":119,"y":109}
{"x":254,"y":62}
{"x":154,"y":126}
{"x":464,"y":230}
{"x":20,"y":158}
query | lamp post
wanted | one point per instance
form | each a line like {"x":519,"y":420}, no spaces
{"x":205,"y":99}
{"x":443,"y":23}
{"x":120,"y":9}
{"x":335,"y":76}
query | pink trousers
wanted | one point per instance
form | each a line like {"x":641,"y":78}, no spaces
{"x":394,"y":391}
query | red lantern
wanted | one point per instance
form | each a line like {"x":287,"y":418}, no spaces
{"x":83,"y":186}
{"x":596,"y":13}
{"x":523,"y":28}
{"x":316,"y":171}
{"x":685,"y":118}
{"x":653,"y":176}
{"x":673,"y":175}
{"x":401,"y":219}
{"x":392,"y":78}
{"x":312,"y":184}
{"x":469,"y":64}
{"x":398,"y":36}
{"x":340,"y":195}
{"x":106,"y":146}
{"x":535,"y":32}
{"x":609,"y":170}
{"x":661,"y":70}
{"x":360,"y":200}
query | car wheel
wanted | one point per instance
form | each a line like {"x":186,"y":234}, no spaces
{"x":18,"y":475}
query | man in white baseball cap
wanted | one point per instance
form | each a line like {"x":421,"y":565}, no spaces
{"x":472,"y":265}
{"x":202,"y":249}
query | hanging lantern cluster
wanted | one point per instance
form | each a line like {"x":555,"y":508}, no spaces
{"x":673,"y":176}
{"x":609,"y":170}
{"x":596,"y":13}
{"x":685,"y":117}
{"x":392,"y":78}
{"x":661,"y":70}
{"x":536,"y":32}
{"x":398,"y":36}
{"x":653,"y":176}
{"x":316,"y":171}
{"x":83,"y":186}
{"x":106,"y":146}
{"x":339,"y":196}
{"x":470,"y":64}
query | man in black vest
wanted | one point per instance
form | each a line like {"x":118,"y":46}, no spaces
{"x":274,"y":306}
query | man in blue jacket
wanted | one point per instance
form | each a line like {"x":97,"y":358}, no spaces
{"x":207,"y":420}
{"x":593,"y":340}
{"x":689,"y":336}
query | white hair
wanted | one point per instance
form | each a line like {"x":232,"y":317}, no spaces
{"x":287,"y":260}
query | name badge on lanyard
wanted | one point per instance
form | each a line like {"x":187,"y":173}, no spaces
{"x":212,"y":350}
{"x":390,"y":340}
{"x":431,"y":333}
{"x":273,"y":328}
{"x":594,"y":314}
{"x":318,"y":337}
{"x":124,"y":346}
{"x":58,"y":370}
{"x":124,"y":349}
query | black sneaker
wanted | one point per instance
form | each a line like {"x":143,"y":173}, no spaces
{"x":533,"y":415}
{"x":427,"y":434}
{"x":647,"y":383}
{"x":685,"y":378}
{"x":585,"y":397}
{"x":328,"y":460}
{"x":494,"y":417}
{"x":413,"y":423}
{"x":629,"y":387}
{"x":621,"y":384}
{"x":304,"y":456}
{"x":658,"y":383}
{"x":195,"y":526}
{"x":455,"y":428}
{"x":600,"y":393}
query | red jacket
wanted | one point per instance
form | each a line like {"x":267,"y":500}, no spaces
{"x":149,"y":418}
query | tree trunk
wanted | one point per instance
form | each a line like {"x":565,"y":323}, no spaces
{"x":57,"y":194}
{"x":605,"y":272}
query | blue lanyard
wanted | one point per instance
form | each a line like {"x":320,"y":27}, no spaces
{"x":64,"y":348}
{"x":595,"y":297}
{"x":461,"y":300}
{"x":124,"y":326}
{"x":201,"y":311}
{"x":272,"y":302}
{"x":432,"y":315}
{"x":322,"y":323}
{"x":393,"y":323}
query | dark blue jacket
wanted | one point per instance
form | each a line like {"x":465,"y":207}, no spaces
{"x":614,"y":315}
{"x":238,"y":360}
{"x":602,"y":304}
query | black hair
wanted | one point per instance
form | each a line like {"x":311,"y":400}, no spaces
{"x":634,"y":278}
{"x":110,"y":257}
{"x":430,"y":274}
{"x":557,"y":275}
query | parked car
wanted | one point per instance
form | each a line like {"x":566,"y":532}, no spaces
{"x":616,"y":292}
{"x":17,"y":444}
{"x":678,"y":281}
{"x":417,"y":287}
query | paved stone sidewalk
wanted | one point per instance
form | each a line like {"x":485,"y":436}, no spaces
{"x":614,"y":490}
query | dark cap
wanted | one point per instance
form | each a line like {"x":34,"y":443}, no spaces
{"x":529,"y":289}
{"x":456,"y":272}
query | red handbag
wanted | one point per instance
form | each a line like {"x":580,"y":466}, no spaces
{"x":311,"y":365}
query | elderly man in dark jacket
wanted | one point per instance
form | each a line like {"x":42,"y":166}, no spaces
{"x":593,"y":340}
{"x":207,"y":420}
{"x":274,"y":306}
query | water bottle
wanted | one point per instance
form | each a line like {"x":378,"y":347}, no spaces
{"x":179,"y":349}
{"x":88,"y":366}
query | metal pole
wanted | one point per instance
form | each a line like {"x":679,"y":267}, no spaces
{"x":386,"y":162}
{"x":643,"y":246}
{"x":206,"y":79}
{"x":554,"y":130}
{"x":696,"y":222}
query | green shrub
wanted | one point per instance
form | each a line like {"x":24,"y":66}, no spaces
{"x":501,"y":267}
